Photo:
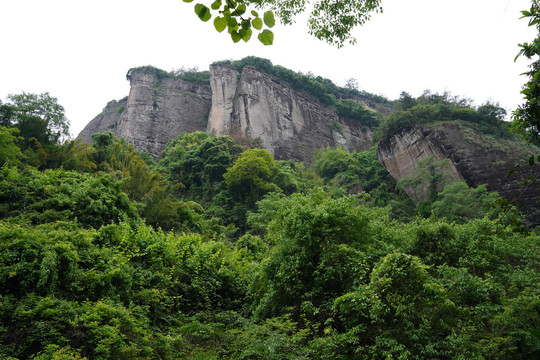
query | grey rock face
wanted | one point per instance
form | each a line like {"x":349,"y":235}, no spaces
{"x":290,"y":124}
{"x":156,"y":111}
{"x":108,"y":120}
{"x":223,"y":81}
{"x":253,"y":104}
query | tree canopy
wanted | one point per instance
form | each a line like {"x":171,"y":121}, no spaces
{"x":31,"y":108}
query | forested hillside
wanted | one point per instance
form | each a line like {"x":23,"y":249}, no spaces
{"x":215,"y":250}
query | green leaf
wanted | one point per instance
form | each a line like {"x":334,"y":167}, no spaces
{"x":257,"y":23}
{"x":241,"y":9}
{"x":203,"y":12}
{"x":246,"y":34}
{"x":215,"y":5}
{"x":235,"y":36}
{"x":266,"y":37}
{"x":188,"y":1}
{"x":531,"y":160}
{"x":254,"y":13}
{"x":220,"y":23}
{"x":232,"y":22}
{"x":269,"y":19}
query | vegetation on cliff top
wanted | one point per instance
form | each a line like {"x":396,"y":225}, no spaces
{"x":190,"y":75}
{"x":348,"y":101}
{"x":431,"y":108}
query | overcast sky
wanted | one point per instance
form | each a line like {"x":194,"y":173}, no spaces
{"x":80,"y":51}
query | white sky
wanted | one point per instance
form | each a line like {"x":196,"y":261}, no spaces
{"x":79,"y":51}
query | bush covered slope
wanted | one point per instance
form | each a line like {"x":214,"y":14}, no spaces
{"x":220,"y":252}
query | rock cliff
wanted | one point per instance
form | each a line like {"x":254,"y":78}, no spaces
{"x":250,"y":103}
{"x":156,"y":111}
{"x":290,"y":124}
{"x":474,"y":157}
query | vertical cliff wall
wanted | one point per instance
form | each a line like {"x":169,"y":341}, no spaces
{"x":223,"y":82}
{"x":290,"y":123}
{"x":403,"y":153}
{"x":108,"y":120}
{"x":156,"y":111}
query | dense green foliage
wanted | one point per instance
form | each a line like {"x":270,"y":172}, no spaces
{"x":61,"y":195}
{"x":361,"y":173}
{"x":108,"y":294}
{"x":220,"y":252}
{"x":10,"y":153}
{"x":143,"y":184}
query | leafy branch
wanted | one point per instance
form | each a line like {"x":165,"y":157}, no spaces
{"x":232,"y":17}
{"x":329,"y":20}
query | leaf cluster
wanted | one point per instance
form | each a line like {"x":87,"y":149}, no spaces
{"x":234,"y":16}
{"x":333,"y":21}
{"x":329,"y":20}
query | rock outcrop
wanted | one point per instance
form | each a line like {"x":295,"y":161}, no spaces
{"x":156,"y":111}
{"x":474,"y":157}
{"x":289,"y":123}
